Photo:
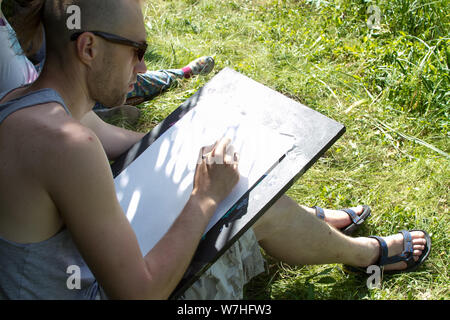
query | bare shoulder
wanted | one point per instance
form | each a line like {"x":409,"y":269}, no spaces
{"x":49,"y":139}
{"x":72,"y":143}
{"x":52,"y":121}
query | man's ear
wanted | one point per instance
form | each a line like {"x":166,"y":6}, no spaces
{"x":87,"y":47}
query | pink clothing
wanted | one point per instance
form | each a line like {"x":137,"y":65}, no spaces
{"x":15,"y":69}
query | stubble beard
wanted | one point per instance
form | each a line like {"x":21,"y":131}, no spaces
{"x":106,"y":90}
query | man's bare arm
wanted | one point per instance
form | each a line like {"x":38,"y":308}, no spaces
{"x":82,"y":188}
{"x":115,"y":140}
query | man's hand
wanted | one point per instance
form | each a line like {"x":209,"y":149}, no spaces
{"x":217,"y":171}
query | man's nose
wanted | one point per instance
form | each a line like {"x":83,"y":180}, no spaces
{"x":141,"y":67}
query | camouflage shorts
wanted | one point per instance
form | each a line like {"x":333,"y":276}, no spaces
{"x":225,"y":279}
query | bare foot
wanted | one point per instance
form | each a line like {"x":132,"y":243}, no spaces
{"x":395,"y":247}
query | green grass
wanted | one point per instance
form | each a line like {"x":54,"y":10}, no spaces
{"x":389,"y":86}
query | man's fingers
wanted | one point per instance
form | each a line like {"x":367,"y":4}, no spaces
{"x":231,"y":158}
{"x":230,"y":151}
{"x":208,"y":149}
{"x":222,"y":152}
{"x":205,"y":151}
{"x":221,"y":147}
{"x":228,"y":159}
{"x":201,"y":155}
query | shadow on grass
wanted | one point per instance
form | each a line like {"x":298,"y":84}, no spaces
{"x":327,"y":282}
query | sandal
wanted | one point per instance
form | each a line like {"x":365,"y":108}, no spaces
{"x":356,"y":220}
{"x":406,"y":255}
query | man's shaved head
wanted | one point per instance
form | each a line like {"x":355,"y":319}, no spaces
{"x":112,"y":16}
{"x":106,"y":69}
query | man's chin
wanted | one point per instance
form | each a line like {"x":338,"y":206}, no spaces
{"x":120,"y":101}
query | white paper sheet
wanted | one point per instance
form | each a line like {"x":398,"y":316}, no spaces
{"x":154,"y":189}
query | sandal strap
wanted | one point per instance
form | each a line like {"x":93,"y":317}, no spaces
{"x":352,"y":214}
{"x":406,"y":255}
{"x":383,"y":250}
{"x":319,"y":212}
{"x":408,"y":251}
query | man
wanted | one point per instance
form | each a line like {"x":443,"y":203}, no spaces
{"x":58,"y":206}
{"x":19,"y":67}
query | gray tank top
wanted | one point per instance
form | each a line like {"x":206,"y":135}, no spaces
{"x":51,"y":269}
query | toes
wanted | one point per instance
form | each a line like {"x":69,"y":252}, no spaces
{"x":419,"y":241}
{"x":419,"y":247}
{"x":415,"y":235}
{"x":358,"y":210}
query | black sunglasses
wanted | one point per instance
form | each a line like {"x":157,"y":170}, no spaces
{"x":141,"y":47}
